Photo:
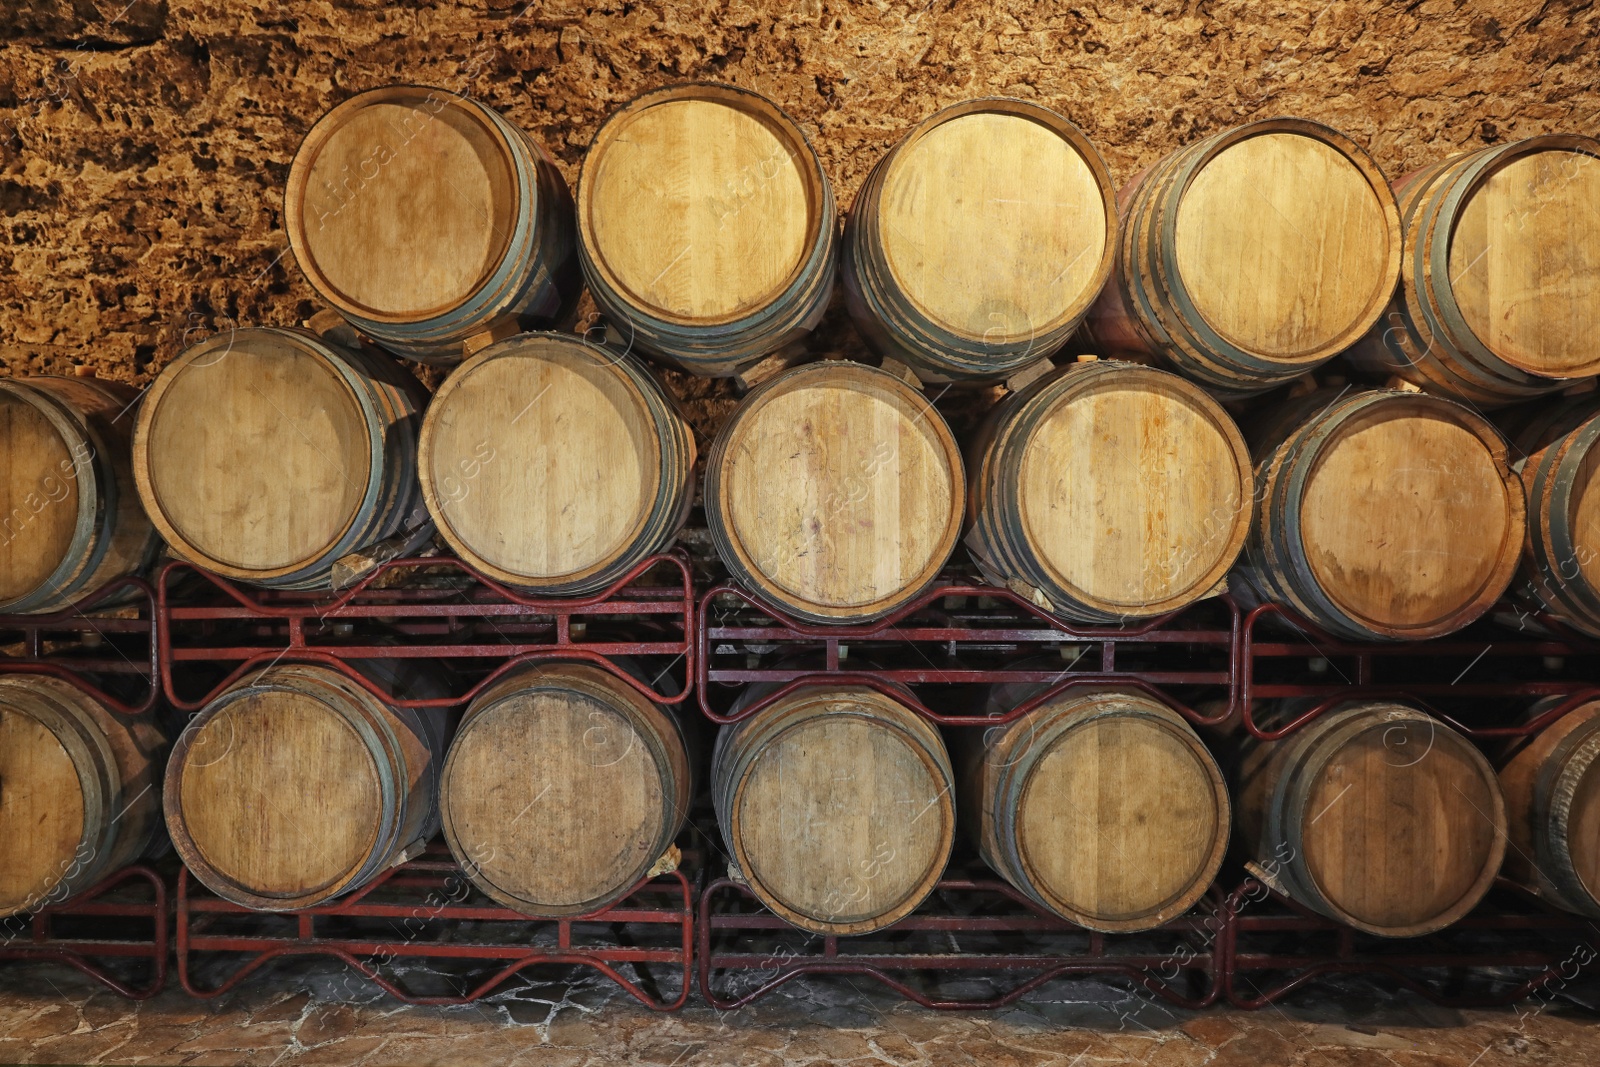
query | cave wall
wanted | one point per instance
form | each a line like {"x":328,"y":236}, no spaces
{"x":143,"y":148}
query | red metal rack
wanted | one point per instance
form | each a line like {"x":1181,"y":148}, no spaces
{"x":1509,"y":948}
{"x":1509,"y":668}
{"x":105,"y":644}
{"x":426,"y":910}
{"x":104,"y":925}
{"x":959,"y":637}
{"x":944,"y":648}
{"x":971,"y":928}
{"x":435,"y":609}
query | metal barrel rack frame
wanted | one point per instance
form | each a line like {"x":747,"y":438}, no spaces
{"x":1481,"y":682}
{"x":474,"y":631}
{"x":976,"y":942}
{"x":1477,"y":681}
{"x":425,"y":911}
{"x":105,"y":645}
{"x":434,"y":608}
{"x":955,"y":639}
{"x":1509,"y":948}
{"x":124,"y":918}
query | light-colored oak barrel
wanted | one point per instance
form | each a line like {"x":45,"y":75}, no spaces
{"x":1103,"y":806}
{"x":426,"y":220}
{"x":836,"y":806}
{"x":835,"y":492}
{"x":1374,"y":815}
{"x":1107,"y":491}
{"x":1561,"y":559}
{"x":1552,"y":790}
{"x":265,"y":455}
{"x":706,"y":227}
{"x":1252,"y":256}
{"x":79,"y":791}
{"x":297,"y":785}
{"x":1012,"y":179}
{"x":1382,"y":515}
{"x":554,"y":464}
{"x":1500,"y":291}
{"x":70,"y":519}
{"x":562,"y":788}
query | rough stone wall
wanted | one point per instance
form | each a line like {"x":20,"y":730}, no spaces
{"x":143,"y":147}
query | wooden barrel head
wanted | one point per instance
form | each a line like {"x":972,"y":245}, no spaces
{"x":554,"y":800}
{"x":699,"y":203}
{"x":253,"y":453}
{"x":401,"y":203}
{"x":42,"y":811}
{"x":1134,"y":491}
{"x":1120,"y":820}
{"x":279,"y":794}
{"x":842,"y":821}
{"x":1408,"y":517}
{"x":1525,"y":262}
{"x":1007,"y":183}
{"x":542,"y":461}
{"x":38,"y":497}
{"x":1403,"y":824}
{"x":839,"y":489}
{"x":1283,"y":245}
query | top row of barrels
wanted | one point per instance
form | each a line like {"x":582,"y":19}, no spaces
{"x":989,"y":236}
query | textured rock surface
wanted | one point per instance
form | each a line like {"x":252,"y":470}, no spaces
{"x":315,"y":1014}
{"x":143,"y":147}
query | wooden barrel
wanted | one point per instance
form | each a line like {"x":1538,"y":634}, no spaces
{"x":428,"y":220}
{"x":706,"y":227}
{"x":265,"y":455}
{"x":70,"y":519}
{"x":77,"y":796}
{"x":1383,"y":515}
{"x":554,"y":464}
{"x":1500,"y":289}
{"x":1103,"y":806}
{"x":836,"y":806}
{"x":835,"y":492}
{"x":296,"y":785}
{"x":1252,"y":256}
{"x":1376,"y":816}
{"x":1011,"y":178}
{"x":1552,"y":789}
{"x":1561,"y":559}
{"x":1107,"y":491}
{"x":563,"y":787}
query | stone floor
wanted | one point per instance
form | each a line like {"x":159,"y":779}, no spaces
{"x":317,"y":1014}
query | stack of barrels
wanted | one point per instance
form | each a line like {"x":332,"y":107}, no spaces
{"x":1115,"y":485}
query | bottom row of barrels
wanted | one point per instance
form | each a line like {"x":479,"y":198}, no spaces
{"x":561,"y":786}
